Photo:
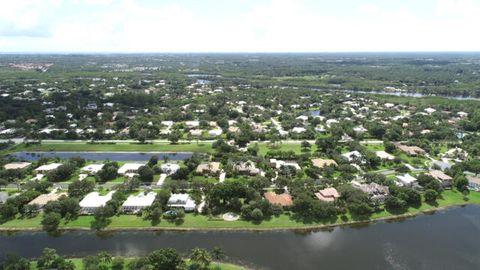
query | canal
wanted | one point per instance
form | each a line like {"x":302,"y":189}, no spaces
{"x":113,"y":156}
{"x":448,"y":239}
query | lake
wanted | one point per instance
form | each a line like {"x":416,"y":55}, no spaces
{"x":445,"y":240}
{"x":113,"y":156}
{"x":407,"y":94}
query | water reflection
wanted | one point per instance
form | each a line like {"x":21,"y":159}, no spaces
{"x":444,"y":240}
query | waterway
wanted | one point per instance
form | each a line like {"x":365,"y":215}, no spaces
{"x":113,"y":156}
{"x":448,"y":239}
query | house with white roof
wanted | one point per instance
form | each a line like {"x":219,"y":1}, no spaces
{"x":350,"y":156}
{"x":192,"y":124}
{"x":196,"y":132}
{"x":302,"y":118}
{"x":47,"y":168}
{"x":215,"y":132}
{"x":93,"y":201}
{"x":129,"y":168}
{"x":298,"y":130}
{"x":91,"y":169}
{"x":135,"y":203}
{"x":406,"y":180}
{"x":169,"y":168}
{"x":279,"y":163}
{"x":430,"y":110}
{"x":384,"y":155}
{"x":182,"y":201}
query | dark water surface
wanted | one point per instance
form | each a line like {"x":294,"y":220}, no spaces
{"x":113,"y":156}
{"x":445,"y":240}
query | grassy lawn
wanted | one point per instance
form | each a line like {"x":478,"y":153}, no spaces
{"x":119,"y":147}
{"x":264,"y":147}
{"x":375,"y":147}
{"x":192,"y":221}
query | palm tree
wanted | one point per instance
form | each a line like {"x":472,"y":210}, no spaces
{"x":201,"y":257}
{"x":217,"y":254}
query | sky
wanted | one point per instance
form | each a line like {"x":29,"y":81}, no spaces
{"x":239,"y":25}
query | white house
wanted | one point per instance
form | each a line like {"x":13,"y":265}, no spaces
{"x":406,"y":180}
{"x":298,"y":130}
{"x":135,"y":203}
{"x":352,"y":155}
{"x":192,"y":124}
{"x":47,"y":168}
{"x":91,"y":169}
{"x":302,"y":118}
{"x":169,"y":168}
{"x":214,"y":132}
{"x":384,"y":155}
{"x":182,"y":201}
{"x":129,"y":168}
{"x":196,"y":132}
{"x":430,"y":110}
{"x":93,"y":201}
{"x":279,"y":163}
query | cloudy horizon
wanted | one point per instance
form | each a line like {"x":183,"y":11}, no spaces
{"x":130,"y":26}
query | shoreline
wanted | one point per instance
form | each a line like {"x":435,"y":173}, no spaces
{"x":273,"y":229}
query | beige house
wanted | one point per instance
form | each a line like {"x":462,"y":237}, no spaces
{"x":208,"y":168}
{"x":327,"y":194}
{"x":410,"y":150}
{"x":17,"y":165}
{"x":43,"y":199}
{"x":320,"y":163}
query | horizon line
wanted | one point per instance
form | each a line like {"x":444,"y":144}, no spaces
{"x":237,"y":52}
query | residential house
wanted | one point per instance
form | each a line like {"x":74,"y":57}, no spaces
{"x":456,"y":153}
{"x":410,"y":150}
{"x":406,"y":180}
{"x":377,"y":192}
{"x":196,"y":132}
{"x":169,"y":168}
{"x":320,"y":163}
{"x":47,"y":168}
{"x":247,"y":167}
{"x":182,"y":201}
{"x":211,"y":168}
{"x":473,"y":182}
{"x":215,"y":132}
{"x":353,"y":155}
{"x":442,"y":165}
{"x":129,"y":168}
{"x":92,"y":169}
{"x":442,"y":177}
{"x":328,"y":194}
{"x":43,"y":199}
{"x":4,"y":197}
{"x":284,"y":199}
{"x":17,"y":165}
{"x":93,"y":201}
{"x":384,"y":155}
{"x":192,"y":124}
{"x":298,"y":130}
{"x":136,"y":203}
{"x":277,"y":164}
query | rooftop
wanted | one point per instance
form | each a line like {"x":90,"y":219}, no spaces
{"x":281,"y":199}
{"x":94,"y":199}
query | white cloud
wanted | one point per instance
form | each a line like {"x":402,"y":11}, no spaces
{"x":269,"y":25}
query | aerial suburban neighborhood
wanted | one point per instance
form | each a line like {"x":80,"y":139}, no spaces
{"x":189,"y":152}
